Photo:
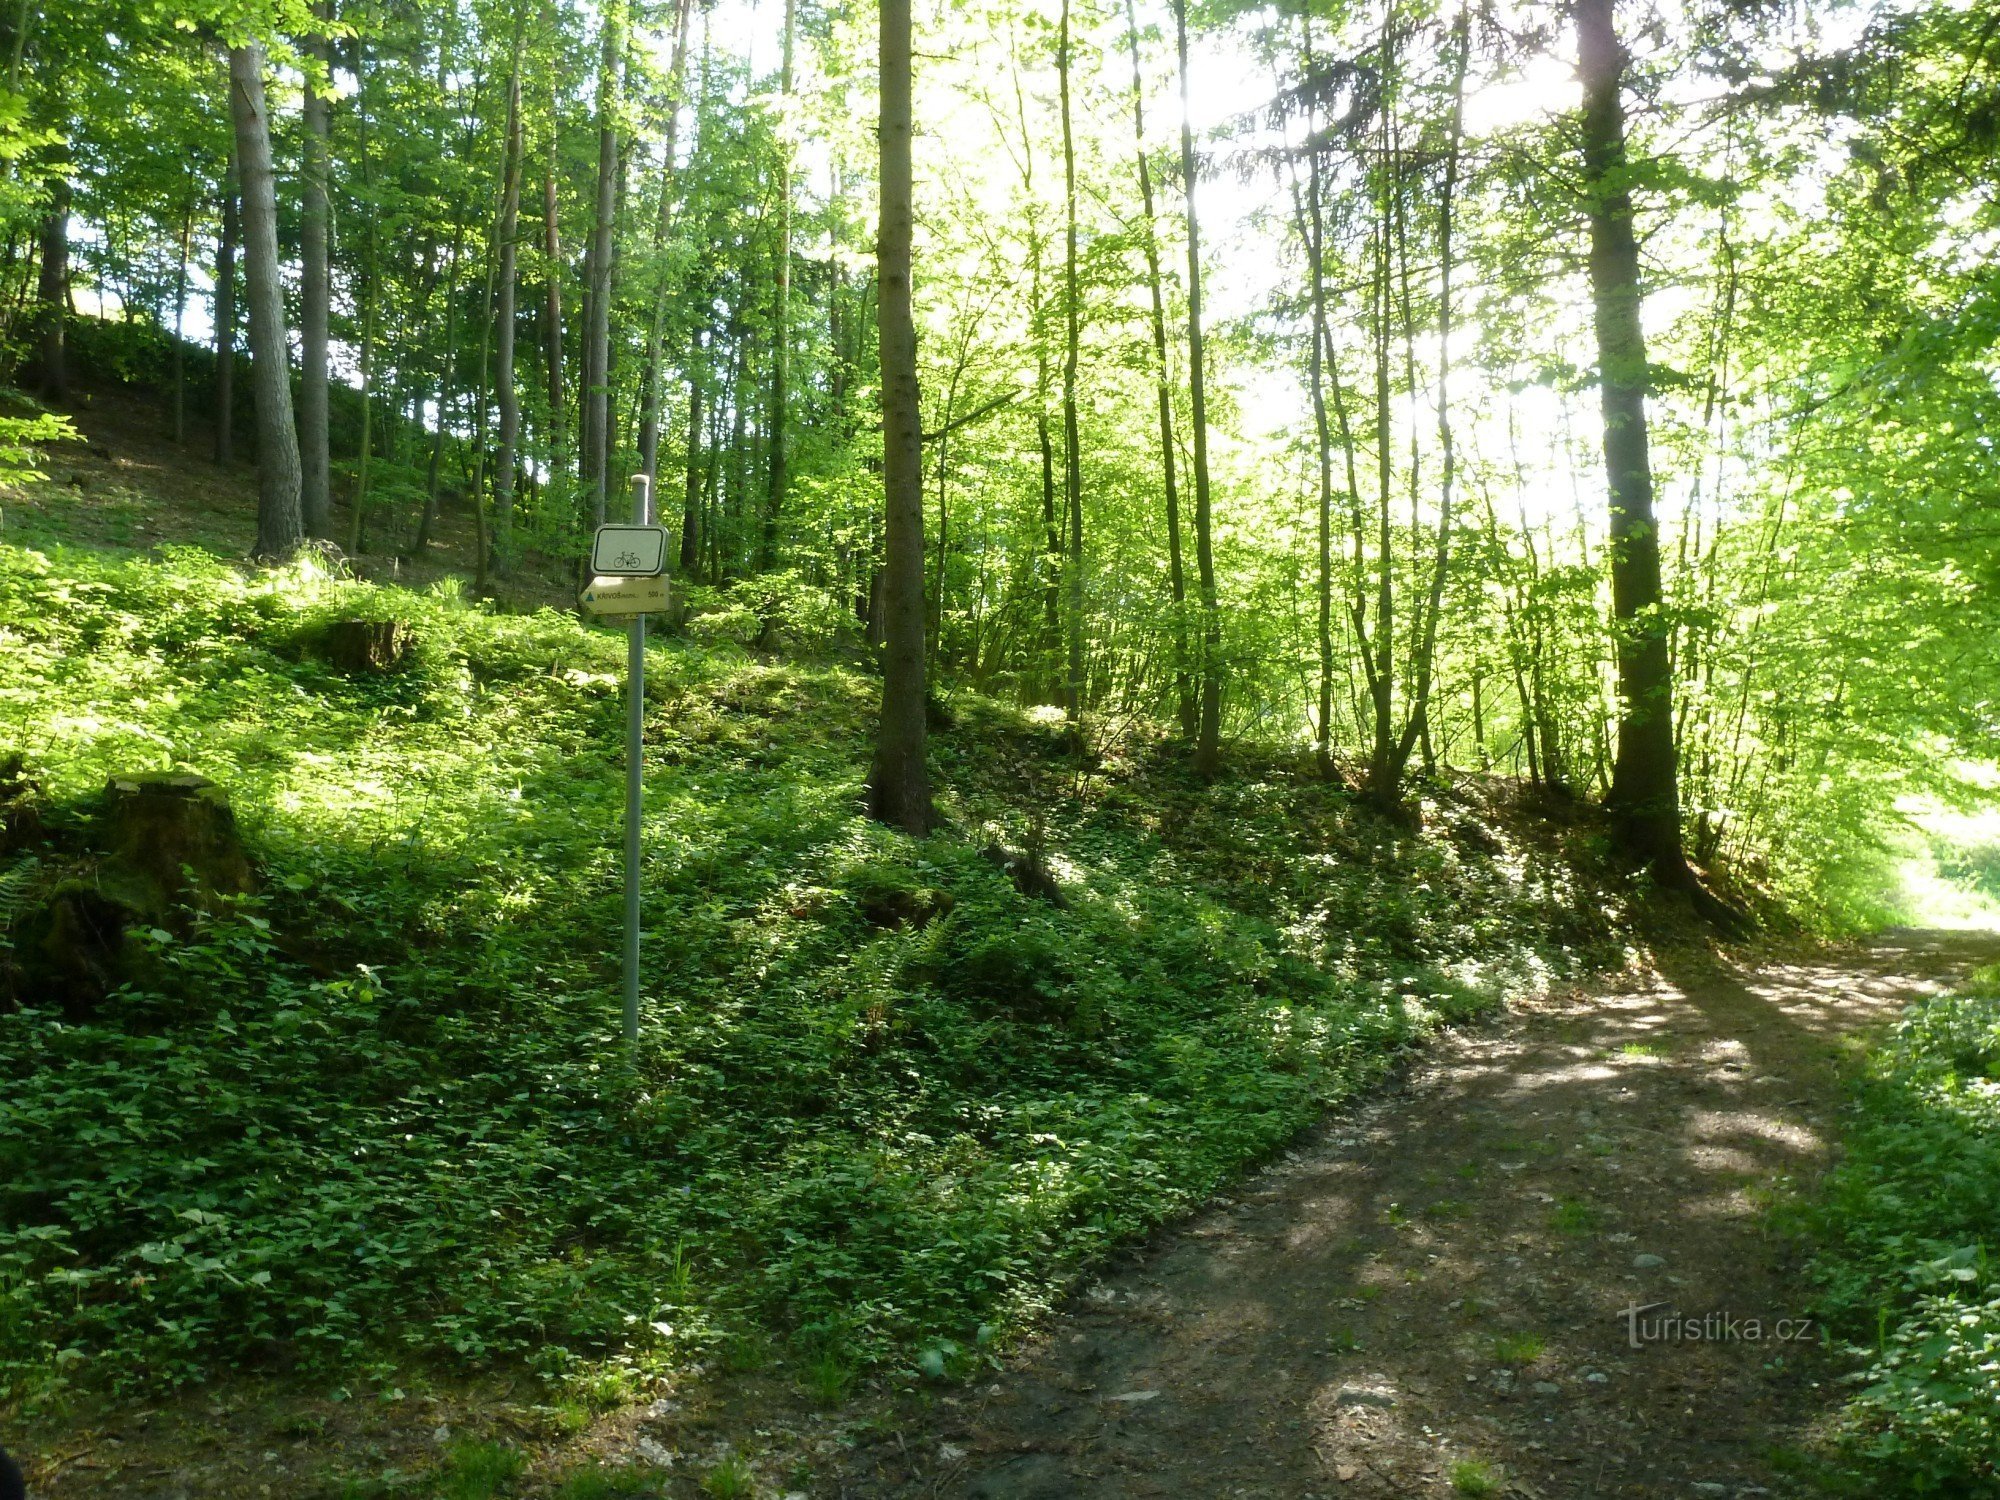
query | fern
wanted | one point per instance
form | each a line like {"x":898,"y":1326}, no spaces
{"x":15,"y":883}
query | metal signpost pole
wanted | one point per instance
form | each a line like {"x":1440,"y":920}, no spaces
{"x":635,"y":725}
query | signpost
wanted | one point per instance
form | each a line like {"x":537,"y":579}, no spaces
{"x":635,"y":551}
{"x":628,"y":563}
{"x":625,"y":596}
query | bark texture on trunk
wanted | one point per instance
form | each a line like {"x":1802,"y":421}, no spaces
{"x":1644,"y":795}
{"x":1208,"y":730}
{"x":899,"y":783}
{"x":781,"y":320}
{"x":597,"y":328}
{"x":503,"y":331}
{"x":279,"y":526}
{"x":1163,"y":393}
{"x":225,"y":310}
{"x":1072,"y":440}
{"x":52,"y":296}
{"x":315,"y":292}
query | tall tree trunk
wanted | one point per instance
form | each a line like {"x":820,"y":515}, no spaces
{"x":1072,"y":442}
{"x":315,"y":292}
{"x":552,"y":329}
{"x":447,"y":370}
{"x":506,"y":463}
{"x":1208,"y":731}
{"x":1381,"y":782}
{"x":899,"y":782}
{"x":1314,"y":235}
{"x":1419,"y":724}
{"x":180,"y":323}
{"x":476,"y":485}
{"x":1163,"y":392}
{"x":1644,"y":795}
{"x":781,"y":317}
{"x":279,"y":527}
{"x":52,"y":293}
{"x":691,"y":503}
{"x":654,"y":380}
{"x":596,"y":468}
{"x":370,"y":301}
{"x":225,"y":310}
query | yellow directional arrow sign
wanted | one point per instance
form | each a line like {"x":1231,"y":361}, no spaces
{"x":625,"y":596}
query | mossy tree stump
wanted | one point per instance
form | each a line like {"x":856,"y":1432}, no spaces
{"x":170,"y":848}
{"x":363,"y":647}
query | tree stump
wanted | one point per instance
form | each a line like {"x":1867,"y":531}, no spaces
{"x":176,"y":832}
{"x":170,"y":848}
{"x":364,"y":647}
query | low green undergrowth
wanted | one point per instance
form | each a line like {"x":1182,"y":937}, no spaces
{"x":1911,"y":1222}
{"x":377,"y":1116}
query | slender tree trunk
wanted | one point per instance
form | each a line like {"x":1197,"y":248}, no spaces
{"x":1207,"y":745}
{"x":356,"y":534}
{"x":1051,"y":528}
{"x":781,"y":318}
{"x":1419,"y":724}
{"x":899,"y":782}
{"x":476,"y":485}
{"x":691,"y":505}
{"x":315,"y":292}
{"x":52,"y":294}
{"x":180,"y":322}
{"x":552,"y":329}
{"x":1315,"y":237}
{"x":596,"y":468}
{"x":1073,"y":691}
{"x":446,"y":372}
{"x":279,"y":527}
{"x":507,"y":463}
{"x":370,"y":301}
{"x":225,"y":310}
{"x":1644,"y":795}
{"x":654,"y":380}
{"x":1184,"y":696}
{"x":1381,"y":782}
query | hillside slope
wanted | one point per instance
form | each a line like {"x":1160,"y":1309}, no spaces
{"x":375,"y":1120}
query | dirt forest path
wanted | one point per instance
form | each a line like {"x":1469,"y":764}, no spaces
{"x":1439,"y":1276}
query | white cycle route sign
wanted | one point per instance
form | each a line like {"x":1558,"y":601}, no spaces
{"x":629,"y":551}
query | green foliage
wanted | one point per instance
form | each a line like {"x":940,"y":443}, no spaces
{"x":886,"y":1107}
{"x":1910,"y":1220}
{"x":20,"y":440}
{"x":1472,"y":1476}
{"x":476,"y":1470}
{"x":1519,"y":1349}
{"x":732,"y":1479}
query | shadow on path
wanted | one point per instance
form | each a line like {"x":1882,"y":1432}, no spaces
{"x":1446,"y":1275}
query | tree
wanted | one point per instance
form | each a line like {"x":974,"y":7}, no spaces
{"x":279,"y":526}
{"x":52,"y":293}
{"x":597,"y":326}
{"x":507,"y":462}
{"x":1207,"y":744}
{"x":1184,"y":697}
{"x":225,"y":309}
{"x":781,"y":312}
{"x":315,"y":292}
{"x":1644,"y":796}
{"x":899,"y":783}
{"x":1072,"y":439}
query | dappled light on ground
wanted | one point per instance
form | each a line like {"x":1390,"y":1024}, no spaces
{"x":1453,"y":1273}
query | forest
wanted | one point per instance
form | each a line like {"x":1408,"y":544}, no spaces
{"x":1221,"y":558}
